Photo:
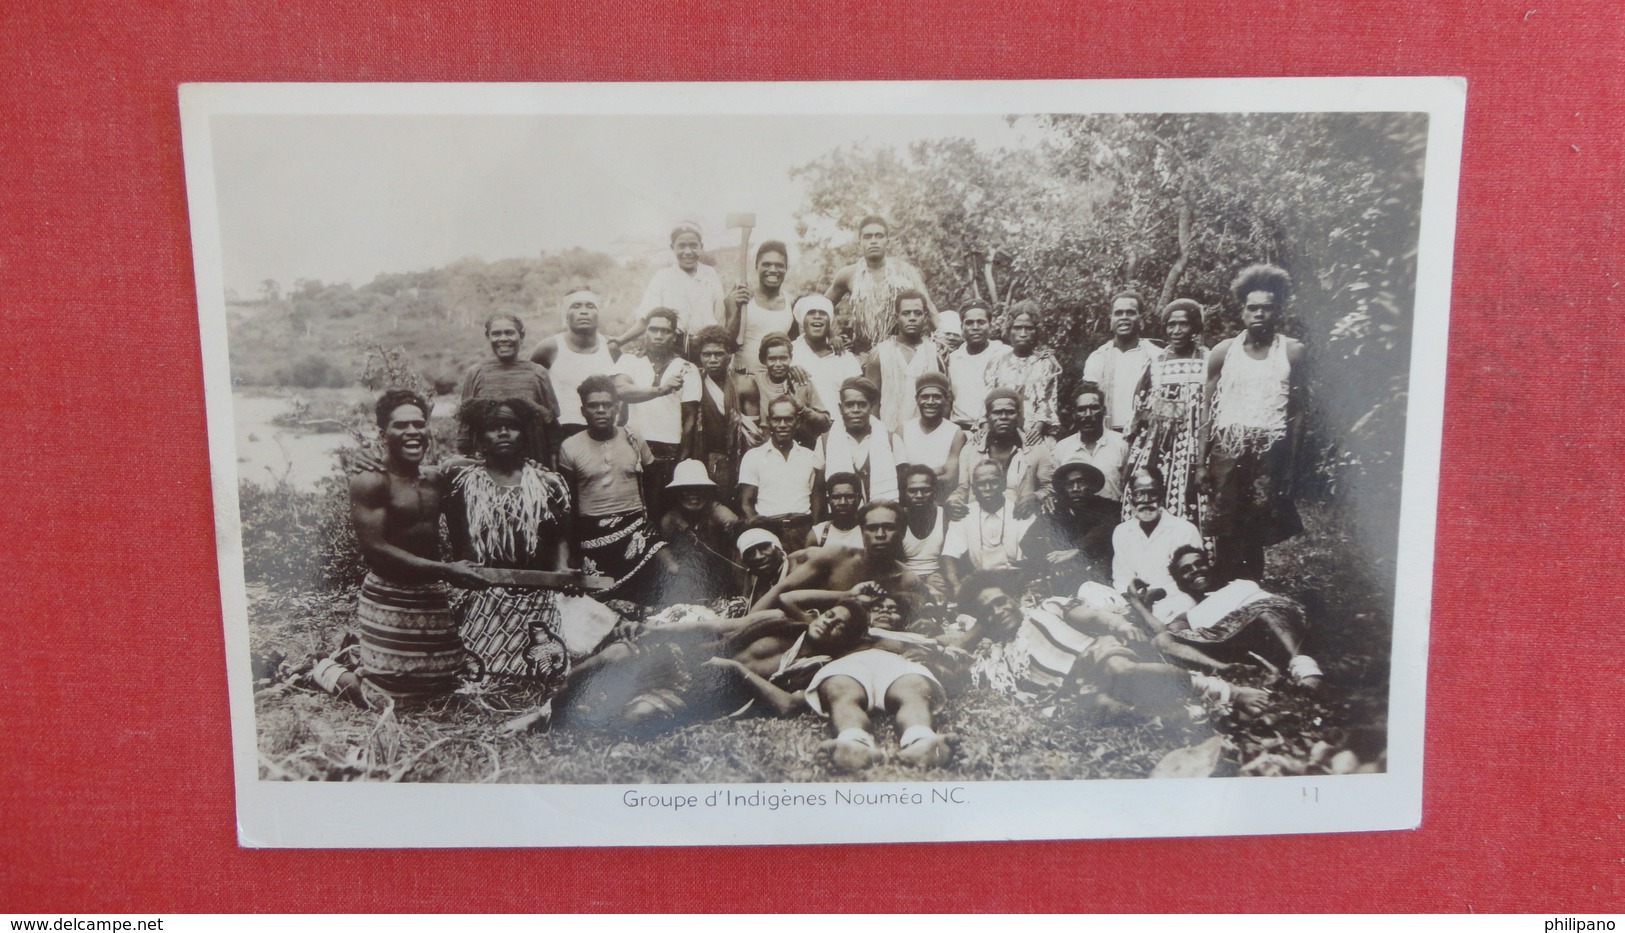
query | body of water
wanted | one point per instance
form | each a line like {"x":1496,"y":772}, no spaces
{"x":268,"y":453}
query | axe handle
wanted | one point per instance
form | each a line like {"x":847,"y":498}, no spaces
{"x":744,"y":255}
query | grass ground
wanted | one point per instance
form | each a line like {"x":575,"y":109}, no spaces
{"x":306,"y":735}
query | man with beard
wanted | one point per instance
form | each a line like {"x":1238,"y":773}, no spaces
{"x":860,"y":443}
{"x":574,"y":355}
{"x":967,"y":365}
{"x":779,"y":379}
{"x":605,"y":467}
{"x":765,"y":309}
{"x":662,"y":396}
{"x":901,"y":359}
{"x":1255,"y":383}
{"x":508,"y":376}
{"x":1144,"y":546}
{"x":779,"y":488}
{"x":843,"y":494}
{"x":1118,"y":365}
{"x":830,"y":573}
{"x":931,"y":440}
{"x":408,"y":633}
{"x":815,"y":351}
{"x":873,"y":284}
{"x":989,"y":536}
{"x":1232,"y":624}
{"x":1063,"y":649}
{"x":1072,"y":542}
{"x":1093,"y":443}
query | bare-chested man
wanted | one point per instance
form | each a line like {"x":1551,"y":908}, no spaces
{"x":409,"y":646}
{"x":831,"y":572}
{"x":873,"y":284}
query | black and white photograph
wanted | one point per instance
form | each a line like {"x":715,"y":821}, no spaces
{"x":701,"y":464}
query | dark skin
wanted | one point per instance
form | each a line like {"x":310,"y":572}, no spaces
{"x":396,"y":512}
{"x":600,"y":410}
{"x":659,"y":338}
{"x":912,"y":318}
{"x":1089,"y":413}
{"x":855,"y":415}
{"x":782,"y":422}
{"x":581,"y":319}
{"x":874,"y":239}
{"x":1003,"y":443}
{"x":1180,"y":329}
{"x":771,"y":267}
{"x":921,"y":513}
{"x":934,"y":404}
{"x":501,"y":445}
{"x":777,"y":361}
{"x":1260,"y":316}
{"x":831,"y":573}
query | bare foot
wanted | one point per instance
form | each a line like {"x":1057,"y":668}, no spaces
{"x":1249,"y":700}
{"x":932,"y":751}
{"x":849,"y":755}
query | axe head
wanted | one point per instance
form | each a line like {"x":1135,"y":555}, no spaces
{"x":735,"y":221}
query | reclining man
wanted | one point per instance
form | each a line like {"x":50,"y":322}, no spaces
{"x":1066,"y":648}
{"x":1231,"y":624}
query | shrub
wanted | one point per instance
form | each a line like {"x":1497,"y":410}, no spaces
{"x":299,"y":540}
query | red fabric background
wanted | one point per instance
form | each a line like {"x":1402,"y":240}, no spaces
{"x":115,"y":775}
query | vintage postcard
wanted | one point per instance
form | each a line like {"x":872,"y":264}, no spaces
{"x":672,"y":464}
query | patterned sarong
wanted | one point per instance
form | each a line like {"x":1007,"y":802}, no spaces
{"x":1238,"y":631}
{"x":409,"y":647}
{"x":616,"y":546}
{"x":515,"y":634}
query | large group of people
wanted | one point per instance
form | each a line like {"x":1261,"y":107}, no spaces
{"x":853,"y":503}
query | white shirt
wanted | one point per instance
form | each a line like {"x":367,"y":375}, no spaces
{"x":783,"y":482}
{"x":922,"y":555}
{"x":659,"y":419}
{"x":966,"y":373}
{"x":827,"y":535}
{"x":696,"y":298}
{"x":990,"y":541}
{"x":757,"y":322}
{"x":927,"y":449}
{"x":1108,"y":455}
{"x":1138,"y":555}
{"x":826,"y":372}
{"x":1118,"y":375}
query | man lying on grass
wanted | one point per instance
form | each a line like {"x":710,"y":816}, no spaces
{"x":1066,"y":648}
{"x":1232,"y":624}
{"x":830,"y":572}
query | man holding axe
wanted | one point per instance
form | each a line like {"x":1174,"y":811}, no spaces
{"x":764,"y":310}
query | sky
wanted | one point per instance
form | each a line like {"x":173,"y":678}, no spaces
{"x":344,"y":198}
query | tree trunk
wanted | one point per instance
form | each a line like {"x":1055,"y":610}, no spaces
{"x":1178,"y":268}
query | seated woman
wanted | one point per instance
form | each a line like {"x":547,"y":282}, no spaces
{"x":1233,"y":624}
{"x":505,"y":511}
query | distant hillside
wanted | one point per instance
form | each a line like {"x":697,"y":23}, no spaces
{"x":316,"y":335}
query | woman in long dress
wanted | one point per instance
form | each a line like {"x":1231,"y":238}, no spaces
{"x":507,"y":511}
{"x":1170,"y":419}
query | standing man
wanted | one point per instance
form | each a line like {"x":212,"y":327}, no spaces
{"x":508,"y":376}
{"x":574,"y":355}
{"x":931,"y":440}
{"x":779,"y":484}
{"x":873,"y":284}
{"x":967,"y":365}
{"x":1031,"y":370}
{"x":720,"y":431}
{"x":605,"y":468}
{"x":814,"y":351}
{"x":1093,"y":443}
{"x":763,"y":310}
{"x":662,"y":392}
{"x":897,"y":361}
{"x":1119,"y":365}
{"x":860,"y":443}
{"x":403,"y":610}
{"x":1001,"y":443}
{"x":1255,"y":384}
